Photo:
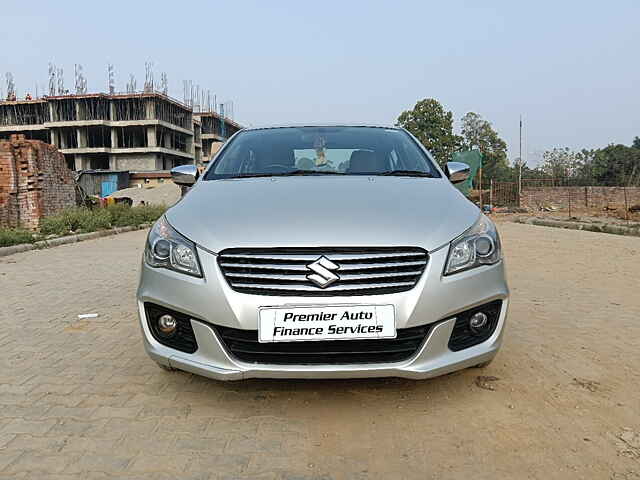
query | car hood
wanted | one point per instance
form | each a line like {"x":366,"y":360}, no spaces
{"x":322,"y":211}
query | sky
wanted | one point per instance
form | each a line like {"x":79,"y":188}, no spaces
{"x":570,"y":68}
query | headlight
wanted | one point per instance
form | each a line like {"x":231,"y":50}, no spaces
{"x":166,"y":248}
{"x":480,"y":245}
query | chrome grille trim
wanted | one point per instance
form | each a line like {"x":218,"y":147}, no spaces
{"x":303,"y":267}
{"x":311,"y":258}
{"x":283,"y":271}
{"x":303,"y":278}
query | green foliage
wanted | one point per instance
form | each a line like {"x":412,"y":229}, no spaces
{"x":10,"y":237}
{"x":611,"y":165}
{"x":123,"y":215}
{"x":561,"y":162}
{"x":616,"y":165}
{"x":77,"y":220}
{"x":82,"y":220}
{"x":433,"y":126}
{"x":477,"y":133}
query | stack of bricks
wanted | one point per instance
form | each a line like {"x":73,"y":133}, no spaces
{"x":34,"y":182}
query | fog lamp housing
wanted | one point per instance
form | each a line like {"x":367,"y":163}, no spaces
{"x":171,"y":328}
{"x":475,"y":325}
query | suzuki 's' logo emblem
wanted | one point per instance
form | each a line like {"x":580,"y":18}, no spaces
{"x":323,"y":276}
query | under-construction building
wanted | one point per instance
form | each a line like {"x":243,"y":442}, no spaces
{"x":213,"y":132}
{"x":132,"y":131}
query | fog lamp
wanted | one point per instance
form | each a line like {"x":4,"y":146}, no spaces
{"x":478,"y":322}
{"x":167,"y":325}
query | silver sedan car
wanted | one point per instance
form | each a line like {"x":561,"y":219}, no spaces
{"x":322,"y":252}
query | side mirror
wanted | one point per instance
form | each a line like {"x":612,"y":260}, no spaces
{"x":185,"y":175}
{"x":457,"y":171}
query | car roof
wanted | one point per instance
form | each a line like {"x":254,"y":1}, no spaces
{"x":300,"y":125}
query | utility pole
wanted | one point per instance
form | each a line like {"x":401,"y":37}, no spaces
{"x":520,"y":173}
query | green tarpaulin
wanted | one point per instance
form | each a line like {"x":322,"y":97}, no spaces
{"x":473,"y":158}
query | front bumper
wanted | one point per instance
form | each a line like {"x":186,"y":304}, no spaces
{"x":434,"y":300}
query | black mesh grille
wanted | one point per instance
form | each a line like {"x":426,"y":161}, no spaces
{"x":360,"y":271}
{"x":244,"y":345}
{"x":183,"y":339}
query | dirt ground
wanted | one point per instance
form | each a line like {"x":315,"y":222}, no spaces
{"x":80,"y":399}
{"x":163,"y":194}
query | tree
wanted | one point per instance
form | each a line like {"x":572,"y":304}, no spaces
{"x":478,"y":133}
{"x":636,"y":143}
{"x":433,"y":126}
{"x":617,"y":165}
{"x":561,"y":163}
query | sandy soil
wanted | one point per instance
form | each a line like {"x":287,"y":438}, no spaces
{"x":562,"y":399}
{"x":163,"y":194}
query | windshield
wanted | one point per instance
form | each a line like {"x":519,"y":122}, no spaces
{"x":322,"y":151}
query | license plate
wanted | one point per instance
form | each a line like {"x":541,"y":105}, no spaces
{"x":349,"y":322}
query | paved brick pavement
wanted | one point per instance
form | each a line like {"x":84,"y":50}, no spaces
{"x":80,"y":399}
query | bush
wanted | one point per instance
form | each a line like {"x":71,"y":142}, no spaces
{"x":10,"y":237}
{"x":123,"y":215}
{"x":78,"y":219}
{"x":82,"y":220}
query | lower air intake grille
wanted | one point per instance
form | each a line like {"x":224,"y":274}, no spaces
{"x":342,"y":271}
{"x":244,"y":345}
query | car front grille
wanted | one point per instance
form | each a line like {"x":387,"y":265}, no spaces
{"x":244,"y":345}
{"x":285,"y":271}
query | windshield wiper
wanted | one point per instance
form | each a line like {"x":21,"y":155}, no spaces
{"x":310,"y":172}
{"x":407,"y":173}
{"x":286,"y":174}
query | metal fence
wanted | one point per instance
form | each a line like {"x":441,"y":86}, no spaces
{"x":567,"y":199}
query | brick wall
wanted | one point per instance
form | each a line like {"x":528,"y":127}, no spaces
{"x":34,"y":182}
{"x":580,"y":197}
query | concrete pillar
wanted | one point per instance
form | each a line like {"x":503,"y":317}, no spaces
{"x":79,"y":112}
{"x":112,"y":111}
{"x":151,"y":136}
{"x":114,"y":138}
{"x":54,"y":138}
{"x":189,"y":145}
{"x":113,"y":162}
{"x":78,"y":162}
{"x":82,"y":137}
{"x":51,"y":111}
{"x":150,"y":109}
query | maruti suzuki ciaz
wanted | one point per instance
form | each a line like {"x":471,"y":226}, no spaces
{"x":322,"y":252}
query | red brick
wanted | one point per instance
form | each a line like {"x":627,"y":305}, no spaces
{"x":34,"y":182}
